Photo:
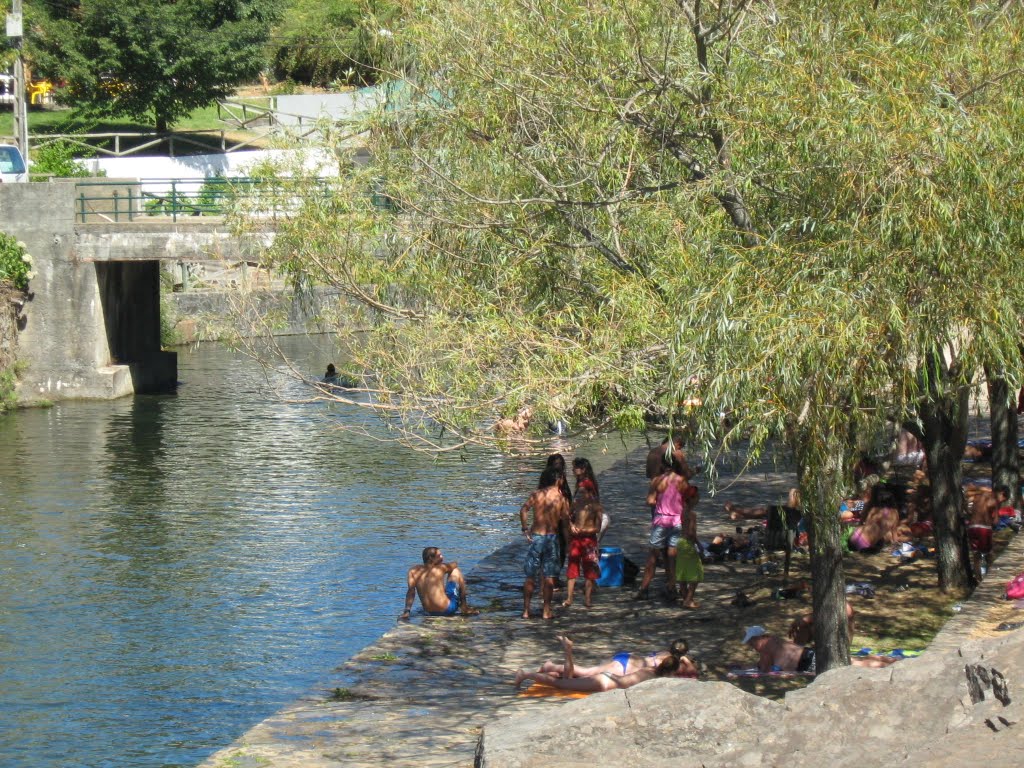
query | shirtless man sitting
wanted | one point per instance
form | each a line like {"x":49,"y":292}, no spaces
{"x":550,"y":510}
{"x":440,"y":585}
{"x":780,"y":655}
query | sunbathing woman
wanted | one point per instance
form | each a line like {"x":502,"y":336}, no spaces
{"x":606,"y":677}
{"x":881,"y":522}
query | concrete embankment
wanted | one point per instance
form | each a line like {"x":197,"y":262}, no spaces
{"x":422,"y":694}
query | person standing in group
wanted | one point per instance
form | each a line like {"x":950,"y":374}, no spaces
{"x":586,"y":484}
{"x":550,"y":512}
{"x":583,"y":554}
{"x":556,"y":461}
{"x":657,"y":454}
{"x":666,"y":494}
{"x":689,"y":566}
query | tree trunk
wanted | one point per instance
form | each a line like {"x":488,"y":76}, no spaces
{"x":1002,"y":403}
{"x":944,"y":422}
{"x":819,"y":489}
{"x":161,"y":122}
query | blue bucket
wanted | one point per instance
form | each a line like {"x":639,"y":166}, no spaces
{"x":612,"y":561}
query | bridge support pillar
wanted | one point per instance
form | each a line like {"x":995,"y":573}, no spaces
{"x":88,"y":330}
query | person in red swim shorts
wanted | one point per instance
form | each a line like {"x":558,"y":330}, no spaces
{"x":984,"y":514}
{"x":583,"y":554}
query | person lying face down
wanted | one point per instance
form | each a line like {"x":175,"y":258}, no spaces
{"x":776,"y":654}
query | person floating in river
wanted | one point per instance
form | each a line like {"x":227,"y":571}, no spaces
{"x":441,"y":587}
{"x":623,"y":671}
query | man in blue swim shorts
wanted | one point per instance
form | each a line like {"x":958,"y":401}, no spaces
{"x":440,"y":586}
{"x":550,"y":511}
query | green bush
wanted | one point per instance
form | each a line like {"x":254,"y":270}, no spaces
{"x":15,"y":263}
{"x":8,"y":400}
{"x":58,"y":159}
{"x":330,"y":42}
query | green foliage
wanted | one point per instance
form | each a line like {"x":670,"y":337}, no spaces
{"x":58,"y":159}
{"x":15,"y":262}
{"x":607,"y":213}
{"x":152,"y":60}
{"x":331,"y":43}
{"x":8,"y":400}
{"x":214,"y":197}
{"x":168,"y":333}
{"x":805,"y":215}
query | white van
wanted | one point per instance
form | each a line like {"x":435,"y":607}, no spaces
{"x":12,"y":164}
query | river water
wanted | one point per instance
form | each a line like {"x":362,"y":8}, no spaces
{"x":176,"y":568}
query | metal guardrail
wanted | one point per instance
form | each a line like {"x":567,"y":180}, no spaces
{"x":134,"y":200}
{"x":114,"y":201}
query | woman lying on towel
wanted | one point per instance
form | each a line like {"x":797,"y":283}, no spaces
{"x":623,"y":671}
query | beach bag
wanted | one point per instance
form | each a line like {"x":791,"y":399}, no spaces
{"x":1015,"y":589}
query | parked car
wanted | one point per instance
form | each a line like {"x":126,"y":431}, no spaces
{"x":12,"y":164}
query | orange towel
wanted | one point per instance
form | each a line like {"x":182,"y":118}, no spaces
{"x":540,"y":690}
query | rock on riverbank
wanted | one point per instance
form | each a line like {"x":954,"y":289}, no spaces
{"x":947,"y":708}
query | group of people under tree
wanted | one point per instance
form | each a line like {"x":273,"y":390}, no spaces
{"x":563,"y":527}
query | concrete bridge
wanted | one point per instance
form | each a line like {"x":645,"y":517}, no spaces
{"x":90,"y":327}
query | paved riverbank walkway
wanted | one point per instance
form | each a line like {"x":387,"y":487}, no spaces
{"x":419,"y":696}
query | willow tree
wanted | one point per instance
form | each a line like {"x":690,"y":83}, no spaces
{"x":801,"y":213}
